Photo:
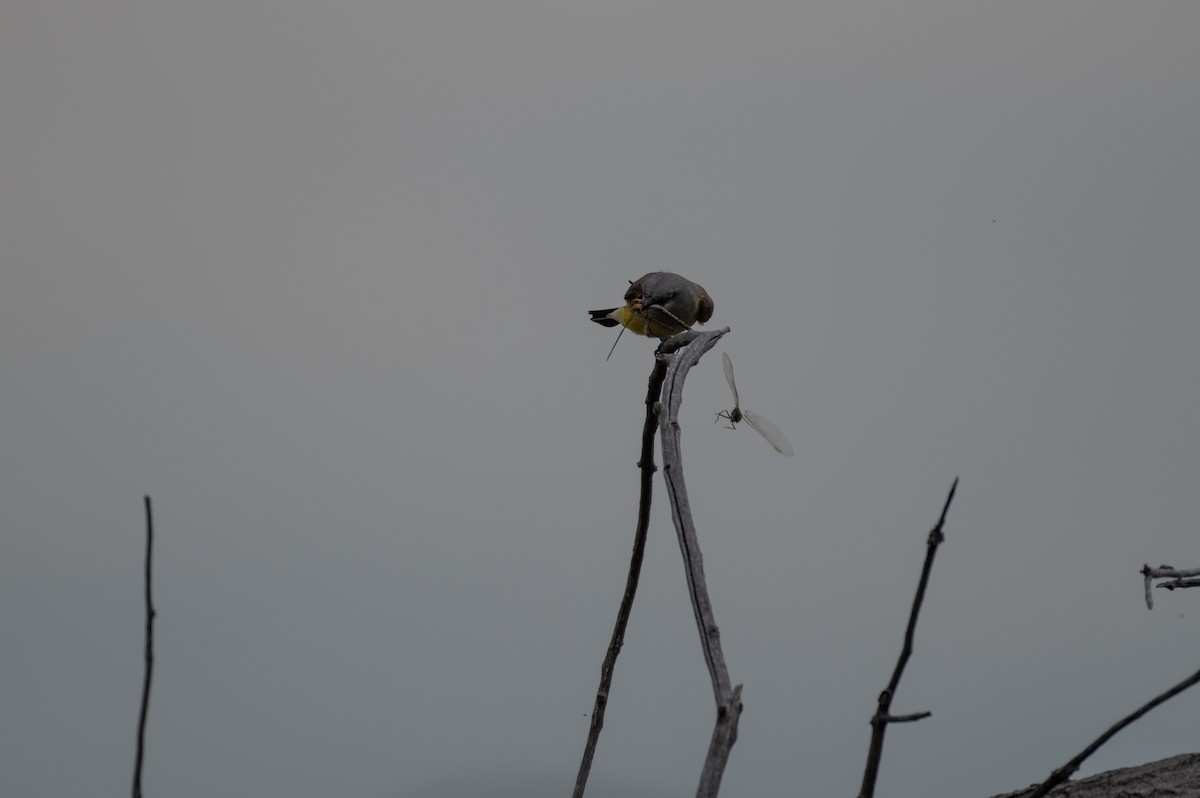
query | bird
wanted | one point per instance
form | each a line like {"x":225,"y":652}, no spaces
{"x":659,"y":305}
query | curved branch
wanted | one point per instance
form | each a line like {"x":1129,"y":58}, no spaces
{"x":727,"y":697}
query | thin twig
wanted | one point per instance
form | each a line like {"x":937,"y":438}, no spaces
{"x":908,"y":718}
{"x":883,"y":716}
{"x":646,"y":464}
{"x":150,"y":613}
{"x":1178,"y":583}
{"x":1064,"y":772}
{"x":728,"y":698}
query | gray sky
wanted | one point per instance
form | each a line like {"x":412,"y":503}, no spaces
{"x":314,"y":276}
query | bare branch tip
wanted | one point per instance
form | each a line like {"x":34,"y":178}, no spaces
{"x":950,"y":498}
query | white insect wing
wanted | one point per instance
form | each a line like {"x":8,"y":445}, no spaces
{"x":729,"y":378}
{"x":769,"y":431}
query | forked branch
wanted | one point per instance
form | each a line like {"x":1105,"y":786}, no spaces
{"x":883,"y":716}
{"x":1180,"y":577}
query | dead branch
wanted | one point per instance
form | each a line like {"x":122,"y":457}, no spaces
{"x":727,"y":697}
{"x":1173,"y":776}
{"x":883,"y":716}
{"x":1180,"y":583}
{"x":150,"y":613}
{"x":1064,"y":772}
{"x":1179,"y":577}
{"x":646,"y":464}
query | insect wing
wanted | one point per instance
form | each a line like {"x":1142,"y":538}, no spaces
{"x":729,"y":378}
{"x":769,"y":431}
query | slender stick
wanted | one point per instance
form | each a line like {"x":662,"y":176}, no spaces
{"x":150,"y":613}
{"x":883,"y":716}
{"x":728,"y":698}
{"x":646,"y":464}
{"x":1064,"y":772}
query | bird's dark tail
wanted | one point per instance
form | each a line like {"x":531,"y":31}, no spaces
{"x":604,"y":317}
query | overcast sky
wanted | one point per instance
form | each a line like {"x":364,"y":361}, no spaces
{"x":315,"y":277}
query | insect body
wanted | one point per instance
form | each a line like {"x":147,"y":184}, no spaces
{"x":761,"y":425}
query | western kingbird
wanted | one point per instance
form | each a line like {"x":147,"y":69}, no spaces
{"x":659,"y":305}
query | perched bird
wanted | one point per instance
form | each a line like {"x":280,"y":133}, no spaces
{"x":659,"y":305}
